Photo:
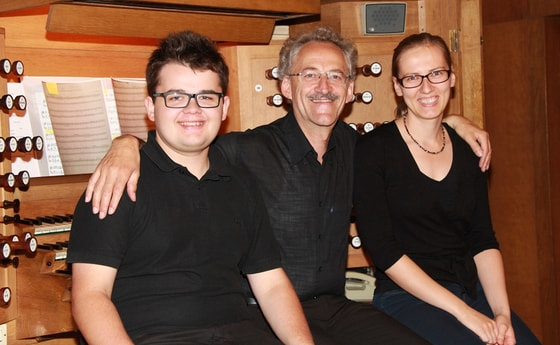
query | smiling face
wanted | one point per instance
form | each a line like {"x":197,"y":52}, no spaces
{"x":318,"y":104}
{"x":186,"y":131}
{"x":427,"y":100}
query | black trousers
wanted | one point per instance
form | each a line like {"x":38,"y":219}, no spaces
{"x":239,"y":333}
{"x":335,"y":320}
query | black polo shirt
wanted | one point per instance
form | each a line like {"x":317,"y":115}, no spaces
{"x":181,"y":247}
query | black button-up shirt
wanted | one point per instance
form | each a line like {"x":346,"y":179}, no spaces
{"x":309,"y":204}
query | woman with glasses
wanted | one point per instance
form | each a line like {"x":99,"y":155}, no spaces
{"x":422,"y":211}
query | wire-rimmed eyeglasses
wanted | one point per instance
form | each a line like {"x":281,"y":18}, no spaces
{"x":311,"y":75}
{"x":434,"y":77}
{"x":178,"y":99}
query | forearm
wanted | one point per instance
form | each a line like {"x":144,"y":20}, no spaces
{"x":455,"y":120}
{"x":282,"y":309}
{"x":478,"y":139}
{"x":99,"y":321}
{"x":415,"y":281}
{"x":489,"y":265}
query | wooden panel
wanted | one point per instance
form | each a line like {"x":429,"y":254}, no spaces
{"x":44,"y":307}
{"x":552,"y":27}
{"x":71,"y":55}
{"x":288,"y":8}
{"x":470,"y":62}
{"x":52,"y":195}
{"x":108,"y":21}
{"x":497,"y":12}
{"x":519,"y":184}
{"x":60,"y":339}
{"x":12,"y":5}
{"x":254,"y":87}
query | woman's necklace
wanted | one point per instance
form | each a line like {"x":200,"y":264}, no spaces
{"x":420,"y":146}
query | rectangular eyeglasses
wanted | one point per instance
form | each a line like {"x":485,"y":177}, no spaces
{"x":178,"y":99}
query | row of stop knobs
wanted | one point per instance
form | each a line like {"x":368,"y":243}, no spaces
{"x":23,"y":144}
{"x":26,"y":242}
{"x":10,"y":181}
{"x":365,"y":97}
{"x":8,"y":69}
{"x":278,"y":100}
{"x":14,"y":244}
{"x":373,"y":70}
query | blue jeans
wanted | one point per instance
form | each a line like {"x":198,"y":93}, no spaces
{"x":438,"y":326}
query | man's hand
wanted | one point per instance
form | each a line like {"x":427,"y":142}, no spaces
{"x":119,"y":168}
{"x":477,"y":138}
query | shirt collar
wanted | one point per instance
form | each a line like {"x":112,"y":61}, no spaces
{"x":219,"y":169}
{"x":298,"y":143}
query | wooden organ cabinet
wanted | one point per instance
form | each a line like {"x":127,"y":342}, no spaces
{"x":40,"y":309}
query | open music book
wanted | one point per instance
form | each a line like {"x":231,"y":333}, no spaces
{"x":77,"y":118}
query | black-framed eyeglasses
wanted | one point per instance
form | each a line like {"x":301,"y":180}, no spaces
{"x":178,"y":99}
{"x":311,"y":75}
{"x":435,"y":77}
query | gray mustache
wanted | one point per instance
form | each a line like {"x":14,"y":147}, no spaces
{"x":328,"y":96}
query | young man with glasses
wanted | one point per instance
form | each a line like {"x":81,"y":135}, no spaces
{"x":303,"y":163}
{"x":167,"y":269}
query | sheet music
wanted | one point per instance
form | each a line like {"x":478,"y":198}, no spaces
{"x":77,"y":118}
{"x":80,"y":123}
{"x":129,"y":98}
